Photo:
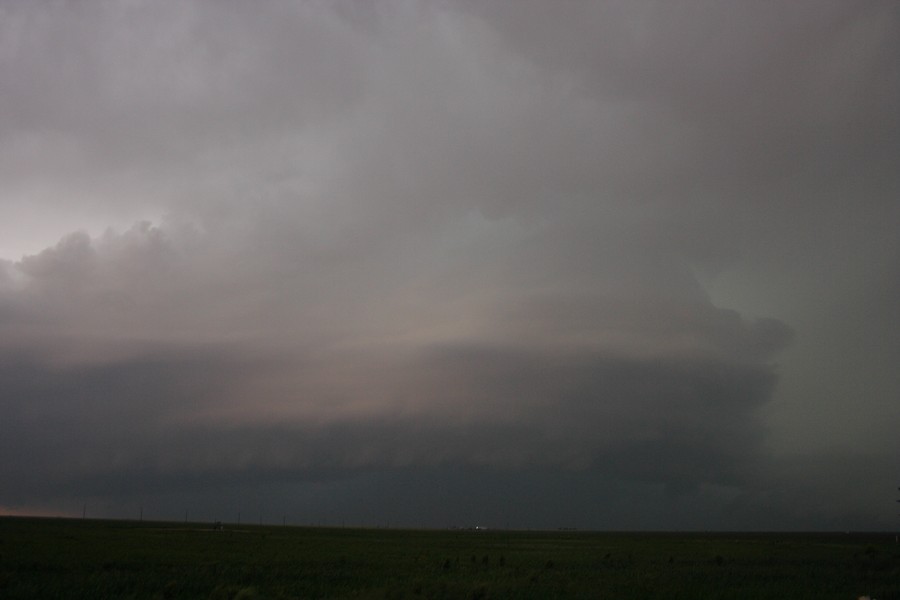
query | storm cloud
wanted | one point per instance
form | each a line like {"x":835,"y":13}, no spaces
{"x":638,"y":254}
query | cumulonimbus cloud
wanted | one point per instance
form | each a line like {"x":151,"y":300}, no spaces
{"x":425,"y":236}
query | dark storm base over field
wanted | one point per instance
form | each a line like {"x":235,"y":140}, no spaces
{"x":42,"y":558}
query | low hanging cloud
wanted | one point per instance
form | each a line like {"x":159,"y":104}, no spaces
{"x":125,"y":354}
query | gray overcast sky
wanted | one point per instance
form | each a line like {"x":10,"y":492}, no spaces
{"x":536,"y":264}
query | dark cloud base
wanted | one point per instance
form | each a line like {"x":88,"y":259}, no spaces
{"x":541,"y":433}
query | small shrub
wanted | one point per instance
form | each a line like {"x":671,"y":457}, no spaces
{"x":247,"y":593}
{"x":170,"y":590}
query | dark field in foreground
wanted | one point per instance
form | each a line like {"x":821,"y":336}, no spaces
{"x":56,"y":558}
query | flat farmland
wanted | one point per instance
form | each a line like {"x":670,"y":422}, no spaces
{"x":60,"y":558}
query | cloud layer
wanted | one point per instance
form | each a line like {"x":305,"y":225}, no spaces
{"x":585,"y":247}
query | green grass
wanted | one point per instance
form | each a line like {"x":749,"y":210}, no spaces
{"x":57,"y":558}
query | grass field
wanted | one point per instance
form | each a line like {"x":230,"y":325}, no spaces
{"x":58,"y":558}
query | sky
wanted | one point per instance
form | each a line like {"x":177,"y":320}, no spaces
{"x":604,"y":265}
